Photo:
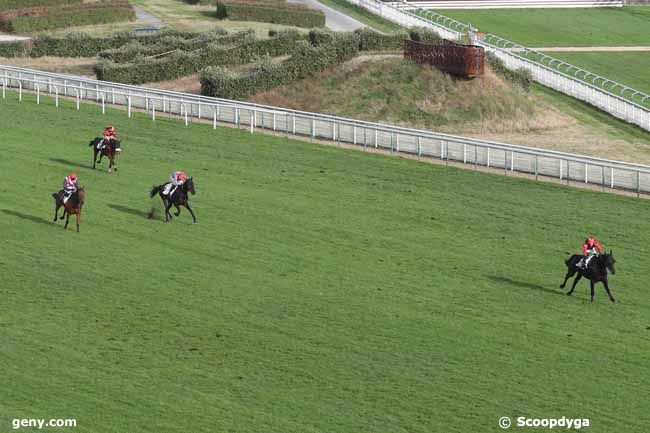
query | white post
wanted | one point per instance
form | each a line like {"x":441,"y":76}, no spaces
{"x":214,"y":118}
{"x":164,"y":100}
{"x":464,"y":153}
{"x":4,"y":88}
{"x":153,"y":111}
{"x":186,"y":121}
{"x":560,"y":169}
{"x":56,"y":96}
{"x":20,"y":91}
{"x":586,"y":173}
{"x":128,"y":103}
{"x":354,"y":134}
{"x":113,"y":95}
{"x":96,"y":92}
{"x":252,"y":119}
{"x":199,"y":110}
{"x":294,"y":124}
{"x":512,"y":160}
{"x":488,"y":156}
{"x":103,"y":104}
{"x":313,"y":128}
{"x":419,"y":147}
{"x":376,"y":140}
{"x":274,"y":121}
{"x":38,"y":93}
{"x":397,"y":142}
{"x":78,"y":98}
{"x":612,"y":177}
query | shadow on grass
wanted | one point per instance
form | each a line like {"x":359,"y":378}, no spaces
{"x":523,"y":284}
{"x":28,"y":217}
{"x":131,"y":211}
{"x":69,"y":163}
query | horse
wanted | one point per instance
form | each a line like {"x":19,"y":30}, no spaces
{"x":179,"y":197}
{"x":109,"y":151}
{"x":599,"y":267}
{"x":71,"y":207}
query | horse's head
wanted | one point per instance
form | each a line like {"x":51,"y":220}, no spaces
{"x":189,"y":185}
{"x":610,"y":261}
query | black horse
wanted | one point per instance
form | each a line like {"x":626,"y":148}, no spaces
{"x":596,"y":272}
{"x":179,"y":197}
{"x":109,"y":150}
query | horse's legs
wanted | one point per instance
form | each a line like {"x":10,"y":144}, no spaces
{"x":78,"y":218}
{"x":56,"y":211}
{"x":568,"y":275}
{"x":168,"y":215}
{"x":178,"y":210}
{"x":110,"y":164}
{"x":611,"y":298}
{"x":94,"y":156}
{"x":67,"y":220}
{"x":574,"y":284}
{"x":592,"y":290}
{"x":187,"y":205}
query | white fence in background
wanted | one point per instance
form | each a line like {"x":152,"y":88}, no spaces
{"x":507,"y":4}
{"x":566,"y":167}
{"x":571,"y":81}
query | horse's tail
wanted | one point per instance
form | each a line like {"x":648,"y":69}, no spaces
{"x":54,"y":194}
{"x":154,"y":191}
{"x":92,"y":142}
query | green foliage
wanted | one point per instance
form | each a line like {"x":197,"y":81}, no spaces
{"x":14,"y":49}
{"x":271,"y":12}
{"x":181,"y":63}
{"x":21,"y":4}
{"x":421,"y":34}
{"x":370,"y":40}
{"x":522,"y":77}
{"x":135,"y":48}
{"x":45,"y":18}
{"x":306,"y":60}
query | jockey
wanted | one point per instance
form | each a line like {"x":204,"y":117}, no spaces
{"x":109,"y":134}
{"x":590,"y":248}
{"x":177,"y":179}
{"x":69,"y":186}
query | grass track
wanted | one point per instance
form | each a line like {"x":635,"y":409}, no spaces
{"x":629,"y":68}
{"x":625,"y":26}
{"x":323,"y":290}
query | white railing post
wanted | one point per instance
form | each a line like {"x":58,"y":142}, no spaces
{"x":4,"y":88}
{"x":252,"y":119}
{"x":184,"y":108}
{"x":612,"y":178}
{"x":128,"y":102}
{"x":38,"y":93}
{"x":56,"y":96}
{"x":103,"y":104}
{"x":78,"y":98}
{"x":20,"y":91}
{"x":153,"y":110}
{"x":214,"y":118}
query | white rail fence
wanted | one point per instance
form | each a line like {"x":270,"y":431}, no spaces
{"x":631,"y":105}
{"x":601,"y":173}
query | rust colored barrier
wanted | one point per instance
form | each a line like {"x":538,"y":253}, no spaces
{"x":456,"y":59}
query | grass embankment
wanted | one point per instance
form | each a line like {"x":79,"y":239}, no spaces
{"x":627,"y":26}
{"x":395,"y":91}
{"x":322,"y":290}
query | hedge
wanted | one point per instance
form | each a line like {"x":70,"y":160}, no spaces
{"x":306,"y":61}
{"x":271,"y":12}
{"x":129,"y":52}
{"x":20,"y":4}
{"x":84,"y":45}
{"x":45,"y":18}
{"x":522,"y":77}
{"x":181,"y":63}
{"x":370,"y":40}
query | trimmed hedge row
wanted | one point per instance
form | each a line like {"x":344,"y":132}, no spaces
{"x":84,"y":45}
{"x":21,"y":4}
{"x":135,"y":49}
{"x":180,"y":63}
{"x":271,"y":12}
{"x":45,"y":18}
{"x":307,"y":60}
{"x":522,"y":77}
{"x":370,"y":40}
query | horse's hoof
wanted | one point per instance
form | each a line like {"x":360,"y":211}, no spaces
{"x":115,"y":168}
{"x":561,"y":286}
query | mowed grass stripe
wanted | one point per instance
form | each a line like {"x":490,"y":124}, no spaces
{"x":323,"y":290}
{"x":626,"y":26}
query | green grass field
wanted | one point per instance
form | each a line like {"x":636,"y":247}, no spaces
{"x":628,"y":68}
{"x":625,"y":26}
{"x":322,"y":290}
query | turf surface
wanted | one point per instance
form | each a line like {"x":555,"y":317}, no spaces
{"x":629,"y":68}
{"x":627,"y":26}
{"x":323,"y":290}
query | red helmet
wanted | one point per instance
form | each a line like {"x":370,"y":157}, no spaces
{"x":181,"y":175}
{"x":590,"y":240}
{"x":73,"y":176}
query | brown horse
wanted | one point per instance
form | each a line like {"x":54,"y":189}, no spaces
{"x":109,"y":151}
{"x":71,"y":207}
